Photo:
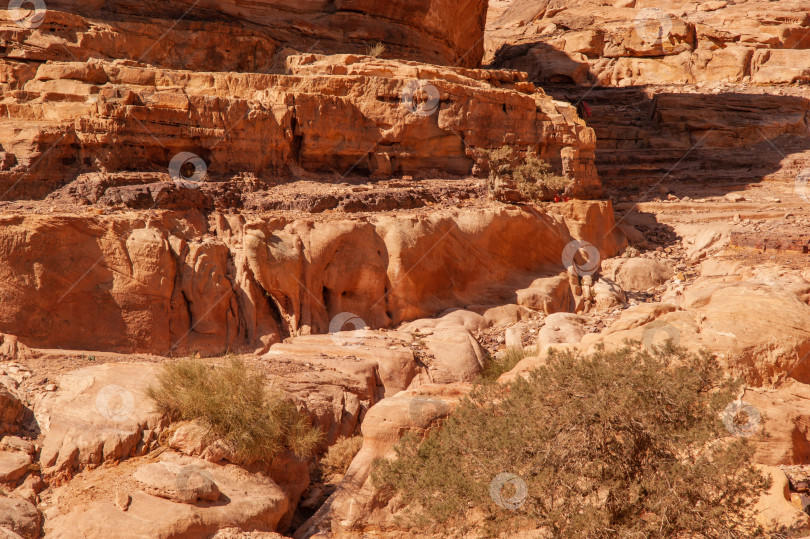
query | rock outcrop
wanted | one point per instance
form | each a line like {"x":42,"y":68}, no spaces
{"x":254,"y":502}
{"x":227,"y":35}
{"x":629,"y":42}
{"x":99,"y":414}
{"x":175,"y":283}
{"x":119,"y":127}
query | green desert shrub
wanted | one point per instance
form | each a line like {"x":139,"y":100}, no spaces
{"x":514,"y":176}
{"x":236,"y":406}
{"x":339,"y":456}
{"x":623,"y":443}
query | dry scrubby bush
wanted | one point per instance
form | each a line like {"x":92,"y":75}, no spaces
{"x":339,"y":456}
{"x":617,"y":444}
{"x":236,"y":406}
{"x":515,"y":177}
{"x":513,"y":355}
{"x":376,"y":50}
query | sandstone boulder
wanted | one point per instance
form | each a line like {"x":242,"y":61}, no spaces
{"x":561,"y":328}
{"x":638,"y":273}
{"x":183,"y":484}
{"x":99,"y":413}
{"x":11,"y":410}
{"x":254,"y":502}
{"x":20,"y":516}
{"x":13,"y":465}
{"x":455,"y":355}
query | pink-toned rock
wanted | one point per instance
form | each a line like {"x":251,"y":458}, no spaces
{"x":100,"y":413}
{"x":560,"y":328}
{"x":20,"y":516}
{"x":13,"y":465}
{"x":254,"y":503}
{"x":183,"y":484}
{"x":165,"y":288}
{"x":774,"y":510}
{"x":456,"y":355}
{"x":11,"y":410}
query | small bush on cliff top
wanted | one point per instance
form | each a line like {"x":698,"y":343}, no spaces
{"x":513,"y":177}
{"x":376,"y":50}
{"x":236,"y":406}
{"x":617,"y":444}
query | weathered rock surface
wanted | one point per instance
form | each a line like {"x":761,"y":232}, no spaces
{"x":637,"y":273}
{"x":774,"y":510}
{"x":99,"y":414}
{"x":719,"y":313}
{"x":11,"y":409}
{"x":13,"y":465}
{"x":355,"y":504}
{"x":652,"y":42}
{"x":330,"y":115}
{"x":183,"y":484}
{"x":185,"y":35}
{"x":20,"y":516}
{"x":560,"y":328}
{"x":175,"y":284}
{"x":254,"y":502}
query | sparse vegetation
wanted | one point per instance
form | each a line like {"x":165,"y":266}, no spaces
{"x":339,"y":456}
{"x":495,"y":367}
{"x":514,"y":177}
{"x":376,"y":50}
{"x":236,"y":406}
{"x":616,"y":444}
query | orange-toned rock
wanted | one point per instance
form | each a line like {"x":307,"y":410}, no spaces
{"x":175,"y":284}
{"x":652,"y":42}
{"x":185,"y":35}
{"x":341,"y":114}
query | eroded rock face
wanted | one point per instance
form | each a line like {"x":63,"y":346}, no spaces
{"x":20,"y":517}
{"x":755,"y":321}
{"x":633,"y":42}
{"x":330,"y":114}
{"x":175,"y":283}
{"x":187,"y":35}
